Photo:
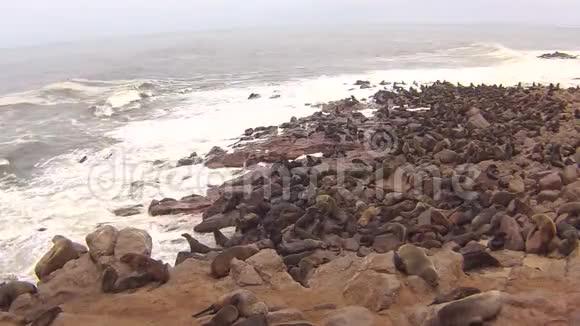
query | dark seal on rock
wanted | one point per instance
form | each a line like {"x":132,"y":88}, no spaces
{"x":220,"y":266}
{"x":472,"y":310}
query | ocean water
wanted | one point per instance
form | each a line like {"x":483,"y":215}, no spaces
{"x":134,"y":106}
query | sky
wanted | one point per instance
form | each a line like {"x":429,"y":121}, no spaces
{"x":31,"y":22}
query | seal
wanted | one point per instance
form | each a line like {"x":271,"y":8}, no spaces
{"x":11,"y":290}
{"x":46,"y":317}
{"x":572,"y":208}
{"x":156,"y":269}
{"x":412,"y":260}
{"x":226,"y":316}
{"x":220,"y":239}
{"x":256,"y":320}
{"x":472,"y":310}
{"x":455,"y":294}
{"x":245,"y":301}
{"x":569,"y":236}
{"x":368,"y":215}
{"x":478,"y":259}
{"x":220,"y":266}
{"x":544,"y":232}
{"x":196,"y":246}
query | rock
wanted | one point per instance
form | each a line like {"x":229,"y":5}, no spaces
{"x":386,"y":243}
{"x":548,"y":195}
{"x":364,"y":251}
{"x":349,"y":316}
{"x":79,"y":276}
{"x":446,"y":156}
{"x":351,"y":244}
{"x":513,"y":239}
{"x":128,"y":211}
{"x":572,"y":191}
{"x":551,"y":182}
{"x":285,"y":315}
{"x":380,"y":263}
{"x":244,"y":274}
{"x":337,"y":271}
{"x":102,"y":241}
{"x":557,"y":55}
{"x":187,"y":161}
{"x":61,"y":252}
{"x":132,"y":240}
{"x":569,"y":174}
{"x":9,"y":319}
{"x":516,"y":185}
{"x":502,"y":198}
{"x":188,"y":205}
{"x":254,"y":96}
{"x":375,"y":291}
{"x":362,"y":82}
{"x":271,"y":268}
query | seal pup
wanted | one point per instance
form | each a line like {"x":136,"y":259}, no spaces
{"x":196,"y":246}
{"x":413,"y":260}
{"x":11,"y":290}
{"x":220,"y":266}
{"x":472,"y":310}
{"x":455,"y":294}
{"x":226,"y":316}
{"x":46,"y":317}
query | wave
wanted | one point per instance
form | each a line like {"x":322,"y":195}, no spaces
{"x":116,"y":93}
{"x":4,"y":162}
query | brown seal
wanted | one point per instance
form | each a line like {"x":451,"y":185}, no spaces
{"x":226,"y":316}
{"x":156,"y":269}
{"x":245,"y":301}
{"x":220,"y":266}
{"x":412,"y":260}
{"x":196,"y":246}
{"x":455,"y":294}
{"x":542,"y":236}
{"x":472,"y":310}
{"x":11,"y":290}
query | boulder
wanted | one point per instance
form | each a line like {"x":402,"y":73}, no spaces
{"x":375,"y":291}
{"x":551,"y":182}
{"x":513,"y":239}
{"x":446,"y":156}
{"x":557,"y":55}
{"x":349,"y":316}
{"x":271,"y":269}
{"x":516,"y":185}
{"x":102,"y":241}
{"x":128,"y":211}
{"x":548,"y":195}
{"x":254,"y":96}
{"x":132,"y":240}
{"x":569,"y":174}
{"x":572,"y":191}
{"x":380,"y":263}
{"x":244,"y":274}
{"x":189,"y":205}
{"x":61,"y":252}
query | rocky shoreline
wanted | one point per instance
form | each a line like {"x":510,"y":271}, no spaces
{"x":442,"y":205}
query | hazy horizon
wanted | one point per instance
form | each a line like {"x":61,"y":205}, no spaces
{"x":37,"y":22}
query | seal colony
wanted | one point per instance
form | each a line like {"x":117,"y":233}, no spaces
{"x":416,"y":205}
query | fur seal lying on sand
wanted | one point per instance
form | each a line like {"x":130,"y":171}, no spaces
{"x":544,"y":232}
{"x":455,"y":294}
{"x":11,"y":290}
{"x":245,"y":301}
{"x":478,"y":259}
{"x":147,"y":270}
{"x":413,"y":260}
{"x":472,"y":310}
{"x":226,"y":316}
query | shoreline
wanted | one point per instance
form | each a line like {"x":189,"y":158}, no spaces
{"x":464,"y":179}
